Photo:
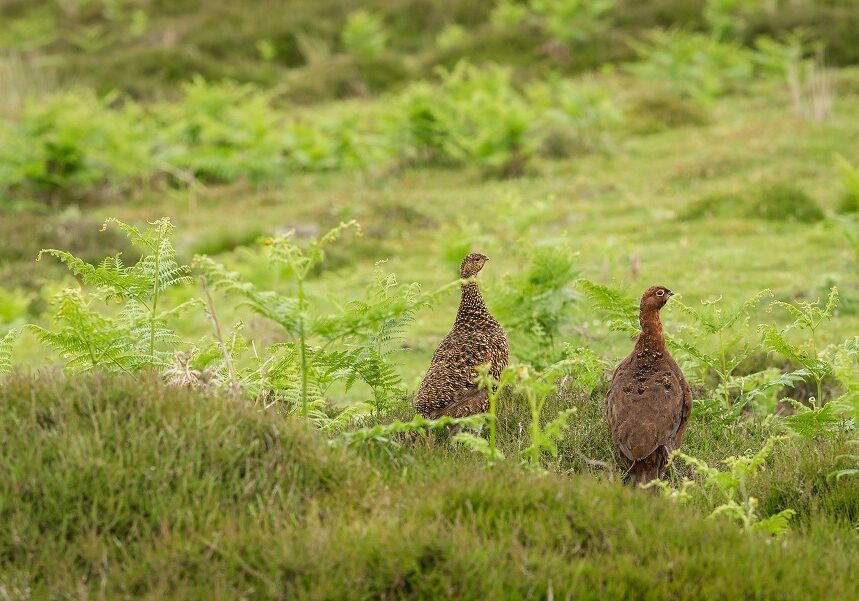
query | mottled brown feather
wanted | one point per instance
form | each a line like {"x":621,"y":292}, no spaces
{"x":449,"y":386}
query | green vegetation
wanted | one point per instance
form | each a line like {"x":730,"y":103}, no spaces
{"x":218,"y":403}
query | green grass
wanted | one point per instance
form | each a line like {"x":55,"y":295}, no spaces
{"x":122,"y":487}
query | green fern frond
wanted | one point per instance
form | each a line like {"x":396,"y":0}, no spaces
{"x":110,"y":275}
{"x":619,"y":308}
{"x":707,"y":359}
{"x":773,"y":340}
{"x":816,"y":422}
{"x":138,"y":335}
{"x":349,"y":415}
{"x":745,"y":308}
{"x":150,"y":240}
{"x":282,"y":310}
{"x":776,"y":524}
{"x":86,"y":339}
{"x":809,"y":315}
{"x":6,"y":343}
{"x":787,"y":380}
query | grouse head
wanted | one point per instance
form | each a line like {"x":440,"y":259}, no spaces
{"x":655,"y":297}
{"x":472,"y":264}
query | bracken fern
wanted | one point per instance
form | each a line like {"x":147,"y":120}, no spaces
{"x":138,"y":334}
{"x":6,"y":351}
{"x":732,"y":487}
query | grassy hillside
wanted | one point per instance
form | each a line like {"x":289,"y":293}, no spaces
{"x":121,"y":487}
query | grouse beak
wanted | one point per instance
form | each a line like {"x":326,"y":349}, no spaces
{"x":670,"y":294}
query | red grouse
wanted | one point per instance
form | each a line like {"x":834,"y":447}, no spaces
{"x":649,"y":402}
{"x":449,"y":386}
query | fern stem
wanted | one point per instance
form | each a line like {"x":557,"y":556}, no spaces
{"x":492,"y":411}
{"x":213,"y":316}
{"x":536,"y":410}
{"x":301,"y":350}
{"x":724,"y":375}
{"x":155,"y":286}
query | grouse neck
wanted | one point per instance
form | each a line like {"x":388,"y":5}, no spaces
{"x":651,"y":329}
{"x":471,"y":303}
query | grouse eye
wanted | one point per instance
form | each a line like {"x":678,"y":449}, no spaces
{"x":660,"y":293}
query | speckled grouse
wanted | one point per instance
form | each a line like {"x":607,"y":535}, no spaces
{"x":449,"y":387}
{"x":649,"y":402}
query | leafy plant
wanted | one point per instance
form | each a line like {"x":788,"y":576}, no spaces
{"x":586,"y":113}
{"x":850,"y":471}
{"x":726,"y":332}
{"x":356,"y":343}
{"x":536,"y":388}
{"x":450,"y":36}
{"x":14,"y":305}
{"x":800,"y":63}
{"x":474,"y":117}
{"x":830,"y":419}
{"x":668,"y":492}
{"x":364,"y":34}
{"x":693,"y":64}
{"x":732,"y":485}
{"x":573,"y":20}
{"x":70,"y":143}
{"x":850,"y":182}
{"x":727,"y":18}
{"x":535,"y":305}
{"x":138,"y":335}
{"x":621,"y":311}
{"x":372,"y":330}
{"x":6,"y":351}
{"x":846,"y":370}
{"x":307,"y":366}
{"x":221,"y":131}
{"x":494,"y":388}
{"x":817,"y":420}
{"x":266,"y":49}
{"x":808,"y":316}
{"x":587,"y":369}
{"x":508,"y":13}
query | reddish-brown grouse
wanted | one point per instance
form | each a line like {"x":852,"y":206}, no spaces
{"x":649,"y":402}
